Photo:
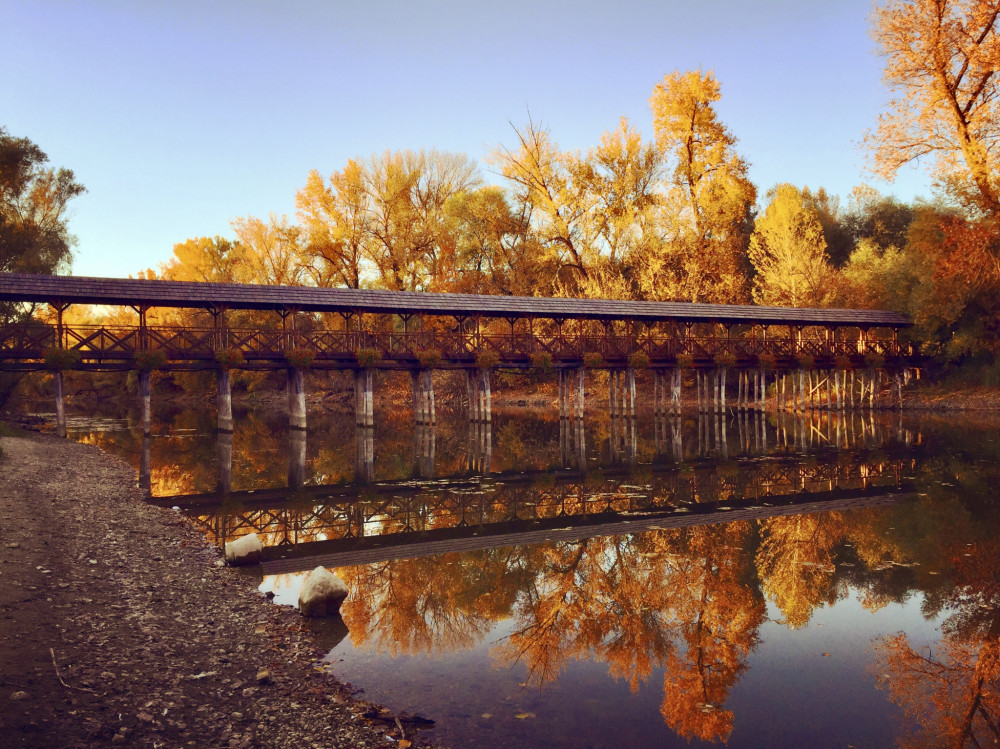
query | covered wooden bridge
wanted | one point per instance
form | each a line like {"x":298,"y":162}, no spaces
{"x":295,"y":328}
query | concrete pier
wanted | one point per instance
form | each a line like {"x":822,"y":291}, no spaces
{"x":480,"y":447}
{"x":364,"y":461}
{"x":146,"y":465}
{"x":364,"y":398}
{"x":145,"y":404}
{"x":224,"y":399}
{"x":296,"y":458}
{"x":296,"y":398}
{"x":422,"y":385}
{"x":224,"y":450}
{"x":57,"y":384}
{"x":480,"y":396}
{"x":424,"y":443}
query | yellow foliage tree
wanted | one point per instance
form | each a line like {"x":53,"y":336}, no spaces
{"x":788,"y":252}
{"x":553,"y":183}
{"x":708,"y":196}
{"x":335,"y":221}
{"x":942,"y":64}
{"x":272,"y":250}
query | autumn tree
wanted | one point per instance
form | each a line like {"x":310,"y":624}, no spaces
{"x":942,"y":64}
{"x":950,"y":695}
{"x":718,"y":615}
{"x":271,"y":250}
{"x":553,"y":184}
{"x":408,"y":192}
{"x":34,"y":237}
{"x":836,"y":232}
{"x":623,"y":174}
{"x":708,"y":196}
{"x":207,"y":259}
{"x":788,"y":252}
{"x":335,"y":219}
{"x":883,"y":220}
{"x":496,"y":251}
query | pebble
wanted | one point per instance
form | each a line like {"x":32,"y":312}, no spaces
{"x":19,"y":696}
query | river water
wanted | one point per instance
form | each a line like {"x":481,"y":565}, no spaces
{"x":826,"y":581}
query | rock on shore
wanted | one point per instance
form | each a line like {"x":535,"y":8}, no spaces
{"x":322,"y":593}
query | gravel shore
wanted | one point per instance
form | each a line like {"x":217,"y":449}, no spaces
{"x":119,"y":626}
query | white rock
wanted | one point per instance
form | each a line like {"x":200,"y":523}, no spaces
{"x":244,"y":550}
{"x":322,"y":593}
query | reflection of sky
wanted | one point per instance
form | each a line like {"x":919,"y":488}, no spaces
{"x":794,"y":695}
{"x":285,"y":587}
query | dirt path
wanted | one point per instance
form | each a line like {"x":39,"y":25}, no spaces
{"x":118,"y":626}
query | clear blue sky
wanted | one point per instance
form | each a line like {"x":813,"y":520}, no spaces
{"x":179,"y":116}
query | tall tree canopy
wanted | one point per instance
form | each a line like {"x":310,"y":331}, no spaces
{"x":708,"y":197}
{"x":33,"y":199}
{"x":788,"y":251}
{"x":943,"y":63}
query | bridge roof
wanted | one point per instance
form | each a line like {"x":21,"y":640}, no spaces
{"x":21,"y":287}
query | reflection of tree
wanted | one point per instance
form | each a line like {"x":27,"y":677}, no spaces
{"x":597,"y":598}
{"x":952,"y":697}
{"x":718,"y":609}
{"x":433,"y":604}
{"x":795,"y":562}
{"x":683,"y":600}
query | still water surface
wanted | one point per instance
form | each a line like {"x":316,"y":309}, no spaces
{"x":823,"y":582}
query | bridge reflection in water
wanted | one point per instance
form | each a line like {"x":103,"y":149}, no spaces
{"x":714,"y":471}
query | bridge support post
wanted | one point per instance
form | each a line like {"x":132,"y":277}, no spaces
{"x":224,"y":400}
{"x":422,"y":383}
{"x":564,"y":387}
{"x":423,"y":448}
{"x":364,"y":459}
{"x":581,"y":375}
{"x":428,"y":388}
{"x":144,"y":401}
{"x":480,"y":397}
{"x":296,"y":398}
{"x":676,"y":438}
{"x":224,"y":447}
{"x":296,"y":458}
{"x":146,"y":465}
{"x":57,"y":384}
{"x":630,"y":393}
{"x":613,"y":394}
{"x":364,"y":401}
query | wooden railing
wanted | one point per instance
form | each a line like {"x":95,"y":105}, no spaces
{"x":109,"y":344}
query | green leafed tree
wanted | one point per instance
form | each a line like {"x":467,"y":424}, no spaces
{"x":34,"y":237}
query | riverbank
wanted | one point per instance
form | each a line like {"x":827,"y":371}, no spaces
{"x":937,"y":397}
{"x":118,"y":626}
